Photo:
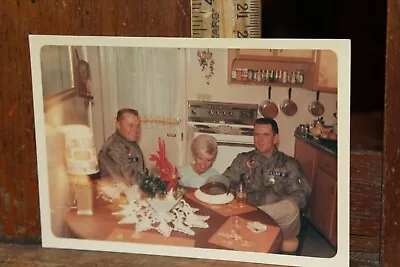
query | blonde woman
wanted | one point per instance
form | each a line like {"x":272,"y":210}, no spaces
{"x":204,"y":151}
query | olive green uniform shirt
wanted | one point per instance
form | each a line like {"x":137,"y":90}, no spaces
{"x":271,"y":179}
{"x":121,"y":160}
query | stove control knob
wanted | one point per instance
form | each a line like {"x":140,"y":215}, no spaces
{"x":211,"y":112}
{"x":217,"y":112}
{"x":223,"y":113}
{"x":194,"y":112}
{"x":230,"y":113}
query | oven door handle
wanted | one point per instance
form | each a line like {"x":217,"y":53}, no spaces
{"x":224,"y":143}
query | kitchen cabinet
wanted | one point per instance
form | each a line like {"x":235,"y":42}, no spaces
{"x":323,"y":202}
{"x":285,"y":55}
{"x":319,"y":67}
{"x":305,"y":154}
{"x":326,"y":71}
{"x":306,"y":55}
{"x":256,"y":54}
{"x":267,"y":60}
{"x":320,"y":168}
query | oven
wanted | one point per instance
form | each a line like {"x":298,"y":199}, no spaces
{"x":231,"y":124}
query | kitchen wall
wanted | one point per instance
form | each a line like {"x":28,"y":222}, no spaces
{"x":220,"y":90}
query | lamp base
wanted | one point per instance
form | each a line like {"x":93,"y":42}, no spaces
{"x":84,"y":197}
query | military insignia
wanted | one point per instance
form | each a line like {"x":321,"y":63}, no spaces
{"x":251,"y":163}
{"x":271,"y":179}
{"x":131,"y":158}
{"x":128,"y":151}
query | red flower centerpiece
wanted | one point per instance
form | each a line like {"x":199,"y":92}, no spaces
{"x":162,"y":191}
{"x":168,"y":173}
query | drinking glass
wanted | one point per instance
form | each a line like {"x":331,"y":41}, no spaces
{"x":235,"y":228}
{"x":241,"y":198}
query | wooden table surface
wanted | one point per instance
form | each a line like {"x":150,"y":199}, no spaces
{"x":103,"y":224}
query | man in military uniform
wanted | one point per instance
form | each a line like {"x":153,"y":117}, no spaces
{"x":120,"y":157}
{"x":274,"y":181}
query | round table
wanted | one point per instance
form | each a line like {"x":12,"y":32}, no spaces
{"x":103,"y":225}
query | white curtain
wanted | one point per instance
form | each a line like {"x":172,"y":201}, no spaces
{"x":146,"y":79}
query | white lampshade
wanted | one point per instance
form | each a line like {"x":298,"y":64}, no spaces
{"x":80,"y":151}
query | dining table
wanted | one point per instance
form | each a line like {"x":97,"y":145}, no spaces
{"x":227,"y":226}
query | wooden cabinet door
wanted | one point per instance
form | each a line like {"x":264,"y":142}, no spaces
{"x":278,"y":55}
{"x":327,"y":71}
{"x":260,"y":53}
{"x":307,"y":55}
{"x":323,"y":203}
{"x":305,"y":154}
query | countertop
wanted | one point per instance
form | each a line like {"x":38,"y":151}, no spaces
{"x":329,"y":147}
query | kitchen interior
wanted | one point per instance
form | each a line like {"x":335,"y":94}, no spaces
{"x":215,"y":91}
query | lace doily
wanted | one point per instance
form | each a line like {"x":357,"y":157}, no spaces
{"x":182,"y":217}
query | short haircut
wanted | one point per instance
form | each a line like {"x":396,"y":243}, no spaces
{"x":123,"y":111}
{"x":204,"y":144}
{"x":268,"y":121}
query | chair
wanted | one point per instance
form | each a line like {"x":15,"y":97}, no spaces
{"x":303,"y":229}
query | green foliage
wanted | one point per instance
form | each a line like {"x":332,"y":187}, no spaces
{"x":153,"y":186}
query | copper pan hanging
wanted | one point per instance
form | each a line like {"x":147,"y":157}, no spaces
{"x":288,"y":106}
{"x":316,"y":108}
{"x":267,"y":108}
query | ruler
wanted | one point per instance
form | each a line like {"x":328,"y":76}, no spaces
{"x":226,"y":18}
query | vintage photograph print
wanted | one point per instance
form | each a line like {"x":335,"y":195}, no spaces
{"x":227,"y":149}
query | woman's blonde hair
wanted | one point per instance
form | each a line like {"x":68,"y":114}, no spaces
{"x":204,"y":144}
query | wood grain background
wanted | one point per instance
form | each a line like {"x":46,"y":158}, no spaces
{"x":18,"y":174}
{"x":19,"y":205}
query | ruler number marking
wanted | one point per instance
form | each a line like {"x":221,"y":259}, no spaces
{"x":243,"y":7}
{"x":245,"y":34}
{"x":242,"y":10}
{"x":246,"y":13}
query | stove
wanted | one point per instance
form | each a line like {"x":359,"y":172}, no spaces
{"x":222,"y":113}
{"x":227,"y":122}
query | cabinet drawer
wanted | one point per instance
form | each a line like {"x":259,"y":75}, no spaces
{"x":327,"y":163}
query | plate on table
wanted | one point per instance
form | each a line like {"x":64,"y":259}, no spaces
{"x":213,"y":199}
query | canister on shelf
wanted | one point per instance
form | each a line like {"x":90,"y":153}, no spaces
{"x":272,"y":76}
{"x":259,"y":76}
{"x":250,"y":74}
{"x":267,"y":74}
{"x":262,"y":75}
{"x":284,"y":76}
{"x":276,"y":76}
{"x":280,"y":76}
{"x":233,"y":75}
{"x":239,"y":74}
{"x":245,"y":74}
{"x":293,"y":77}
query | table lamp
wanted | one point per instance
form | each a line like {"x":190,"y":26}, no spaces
{"x":81,"y":161}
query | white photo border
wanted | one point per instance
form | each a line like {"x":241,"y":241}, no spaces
{"x":340,"y":47}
